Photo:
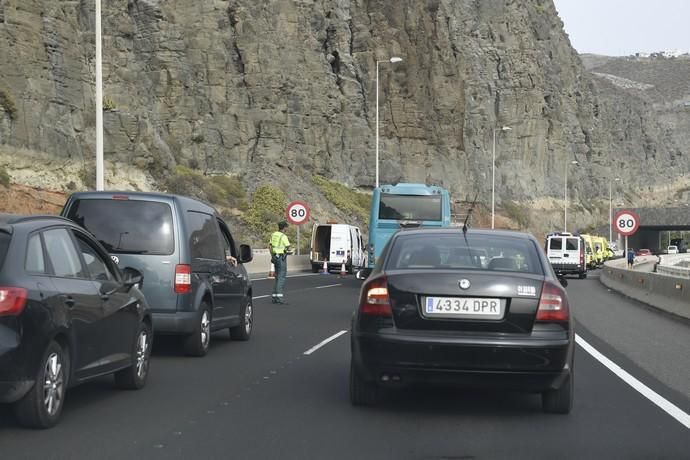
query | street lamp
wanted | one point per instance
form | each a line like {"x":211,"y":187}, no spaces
{"x":565,"y":208}
{"x":611,"y":209}
{"x":392,"y":60}
{"x":493,"y":175}
{"x":99,"y":101}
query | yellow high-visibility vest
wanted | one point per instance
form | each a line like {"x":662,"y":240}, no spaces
{"x":279,"y":242}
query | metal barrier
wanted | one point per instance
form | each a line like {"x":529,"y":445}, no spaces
{"x":667,"y":293}
{"x":676,"y":265}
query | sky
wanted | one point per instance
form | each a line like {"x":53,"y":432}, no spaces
{"x":624,"y":27}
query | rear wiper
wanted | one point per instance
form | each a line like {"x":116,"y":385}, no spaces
{"x":128,"y":251}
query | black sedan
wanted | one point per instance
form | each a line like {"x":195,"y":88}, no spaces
{"x":67,"y":315}
{"x":481,"y":308}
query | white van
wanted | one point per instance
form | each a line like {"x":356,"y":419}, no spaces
{"x":566,"y":252}
{"x":337,"y":244}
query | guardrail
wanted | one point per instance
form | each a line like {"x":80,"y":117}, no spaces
{"x":676,"y":265}
{"x":261,"y":264}
{"x":667,"y":293}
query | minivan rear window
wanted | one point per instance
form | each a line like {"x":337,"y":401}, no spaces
{"x":4,"y":245}
{"x":572,"y":244}
{"x":127,"y":226}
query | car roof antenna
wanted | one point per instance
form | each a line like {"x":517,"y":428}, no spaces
{"x":469,"y":213}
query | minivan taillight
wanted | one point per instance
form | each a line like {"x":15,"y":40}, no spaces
{"x":12,"y":300}
{"x":375,"y":300}
{"x":553,"y":304}
{"x":183,"y":278}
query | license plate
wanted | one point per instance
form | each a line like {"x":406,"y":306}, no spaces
{"x":463,"y":307}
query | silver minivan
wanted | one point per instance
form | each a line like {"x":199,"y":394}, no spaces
{"x":193,"y":274}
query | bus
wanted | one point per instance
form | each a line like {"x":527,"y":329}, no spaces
{"x":404,"y":205}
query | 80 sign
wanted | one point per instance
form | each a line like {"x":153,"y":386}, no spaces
{"x":297,"y":213}
{"x":626,"y":222}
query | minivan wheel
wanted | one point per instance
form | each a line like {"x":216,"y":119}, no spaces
{"x":362,"y":392}
{"x":42,"y":405}
{"x":559,"y":401}
{"x":243,"y":331}
{"x":134,"y":377}
{"x":197,"y":343}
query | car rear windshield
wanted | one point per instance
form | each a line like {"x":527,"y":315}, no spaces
{"x":476,"y":252}
{"x":127,"y":226}
{"x":4,"y":245}
{"x":410,"y":207}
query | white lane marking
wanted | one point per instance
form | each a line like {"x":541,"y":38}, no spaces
{"x":328,"y":285}
{"x":664,"y":404}
{"x":317,"y":287}
{"x":289,"y":276}
{"x":324,"y":342}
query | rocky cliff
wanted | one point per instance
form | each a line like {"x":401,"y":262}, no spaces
{"x":280,"y":91}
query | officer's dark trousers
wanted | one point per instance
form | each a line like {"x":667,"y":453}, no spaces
{"x":281,"y":273}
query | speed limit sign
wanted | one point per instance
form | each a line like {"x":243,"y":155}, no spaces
{"x":626,"y":222}
{"x":297,"y":213}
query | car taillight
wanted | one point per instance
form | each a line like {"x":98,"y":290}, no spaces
{"x":375,"y":300}
{"x":12,"y":300}
{"x":183,"y":278}
{"x":582,"y":257}
{"x":553,"y":304}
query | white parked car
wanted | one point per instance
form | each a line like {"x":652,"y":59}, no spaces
{"x":672,"y":250}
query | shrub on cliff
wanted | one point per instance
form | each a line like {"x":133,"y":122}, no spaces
{"x":266,"y":208}
{"x":7,"y":103}
{"x":346,"y":199}
{"x":4,"y":177}
{"x":221,"y":190}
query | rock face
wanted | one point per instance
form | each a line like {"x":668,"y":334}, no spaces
{"x":281,"y":90}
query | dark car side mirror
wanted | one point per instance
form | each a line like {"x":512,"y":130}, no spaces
{"x":246,"y":254}
{"x":132,"y":277}
{"x":363,"y":273}
{"x":563,"y":281}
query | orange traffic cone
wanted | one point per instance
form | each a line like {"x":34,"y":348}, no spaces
{"x":343,"y":272}
{"x":272,"y":271}
{"x":325,"y":268}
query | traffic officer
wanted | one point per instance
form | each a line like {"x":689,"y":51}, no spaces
{"x":279,"y":246}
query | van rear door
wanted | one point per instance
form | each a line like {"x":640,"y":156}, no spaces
{"x":340,"y":243}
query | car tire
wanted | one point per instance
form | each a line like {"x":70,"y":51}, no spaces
{"x":42,"y":405}
{"x":134,"y":377}
{"x":362,"y":392}
{"x":243,"y":331}
{"x":198,"y":342}
{"x":559,"y":401}
{"x":582,"y":276}
{"x":314,"y":268}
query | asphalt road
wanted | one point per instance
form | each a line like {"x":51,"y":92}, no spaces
{"x":267,"y":399}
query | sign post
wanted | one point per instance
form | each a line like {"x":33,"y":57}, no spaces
{"x":627,"y":223}
{"x":297,"y":213}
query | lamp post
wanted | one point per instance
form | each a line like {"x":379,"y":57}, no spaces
{"x":565,"y":208}
{"x":493,"y":175}
{"x":611,"y":209}
{"x":392,"y":60}
{"x":99,"y":101}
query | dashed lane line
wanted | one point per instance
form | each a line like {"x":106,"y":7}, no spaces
{"x":289,"y":276}
{"x":324,"y":342}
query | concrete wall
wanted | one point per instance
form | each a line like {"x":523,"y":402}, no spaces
{"x":262,"y":263}
{"x":664,"y":292}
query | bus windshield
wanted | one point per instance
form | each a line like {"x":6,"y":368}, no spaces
{"x":410,"y":207}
